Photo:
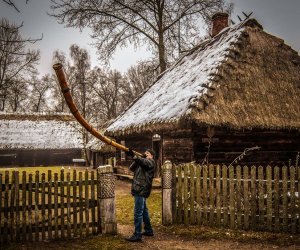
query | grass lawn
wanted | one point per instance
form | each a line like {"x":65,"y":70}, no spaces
{"x":42,"y":170}
{"x":124,"y":208}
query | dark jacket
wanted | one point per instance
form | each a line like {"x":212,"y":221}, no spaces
{"x":143,"y":175}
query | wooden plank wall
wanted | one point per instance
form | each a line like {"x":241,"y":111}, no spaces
{"x":178,"y":146}
{"x":38,"y":157}
{"x":255,"y":198}
{"x":276,"y":147}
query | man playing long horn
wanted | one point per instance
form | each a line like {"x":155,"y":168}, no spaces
{"x":143,"y":168}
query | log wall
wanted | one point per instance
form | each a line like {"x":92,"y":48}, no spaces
{"x":178,"y":146}
{"x":276,"y":147}
{"x":38,"y":157}
{"x":185,"y":145}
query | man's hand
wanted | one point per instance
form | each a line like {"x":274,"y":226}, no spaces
{"x":129,"y":153}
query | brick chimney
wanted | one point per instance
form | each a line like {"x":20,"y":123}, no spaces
{"x":219,"y":22}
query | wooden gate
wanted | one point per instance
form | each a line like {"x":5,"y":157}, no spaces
{"x":50,"y":206}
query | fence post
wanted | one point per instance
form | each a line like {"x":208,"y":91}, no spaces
{"x":167,"y":216}
{"x":107,"y":199}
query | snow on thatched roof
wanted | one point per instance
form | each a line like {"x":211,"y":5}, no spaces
{"x":231,"y":79}
{"x":43,"y":131}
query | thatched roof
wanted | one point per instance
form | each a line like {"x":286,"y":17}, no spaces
{"x":241,"y":78}
{"x":39,"y":131}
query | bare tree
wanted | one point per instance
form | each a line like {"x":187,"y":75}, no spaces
{"x":18,"y":95}
{"x":16,"y":62}
{"x":165,"y":26}
{"x":39,"y":93}
{"x":137,"y":79}
{"x":79,"y":80}
{"x":106,"y":91}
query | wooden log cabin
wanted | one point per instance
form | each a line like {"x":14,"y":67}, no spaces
{"x":235,"y":94}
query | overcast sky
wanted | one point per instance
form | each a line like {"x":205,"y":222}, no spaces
{"x":278,"y":17}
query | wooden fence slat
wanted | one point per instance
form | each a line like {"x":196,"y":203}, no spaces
{"x":231,"y":197}
{"x":69,"y":222}
{"x":192,"y":193}
{"x":75,"y":230}
{"x":238,"y":197}
{"x":198,"y":193}
{"x":284,"y":199}
{"x":185,"y":195}
{"x":62,"y":201}
{"x":224,"y":195}
{"x":292,"y":200}
{"x":17,"y":179}
{"x":93,"y":201}
{"x":43,"y":210}
{"x":246,"y":197}
{"x":269,"y":198}
{"x":24,"y":206}
{"x":204,"y":195}
{"x":211,"y":195}
{"x":36,"y":203}
{"x":261,"y":199}
{"x":55,"y":205}
{"x":80,"y":205}
{"x":98,"y":204}
{"x":218,"y":194}
{"x":174,"y":193}
{"x":86,"y":196}
{"x":12,"y":212}
{"x":276,"y":199}
{"x":6,"y":208}
{"x":298,"y":199}
{"x":179,"y":195}
{"x":253,"y":198}
{"x":49,"y":189}
{"x":30,"y":198}
{"x":1,"y":233}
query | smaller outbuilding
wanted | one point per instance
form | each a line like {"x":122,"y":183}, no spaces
{"x":39,"y":139}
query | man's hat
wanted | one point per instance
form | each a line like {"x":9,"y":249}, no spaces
{"x":150,"y":151}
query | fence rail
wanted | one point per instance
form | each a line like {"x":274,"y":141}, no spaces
{"x":49,"y":206}
{"x":245,"y":197}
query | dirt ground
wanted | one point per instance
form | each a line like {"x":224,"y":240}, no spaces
{"x":164,"y":239}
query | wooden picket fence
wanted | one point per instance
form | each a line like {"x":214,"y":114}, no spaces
{"x":35,"y":207}
{"x":249,"y":198}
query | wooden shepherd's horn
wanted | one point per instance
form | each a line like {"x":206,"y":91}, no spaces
{"x":74,"y":110}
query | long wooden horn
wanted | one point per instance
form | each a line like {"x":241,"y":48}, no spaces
{"x":74,"y":110}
